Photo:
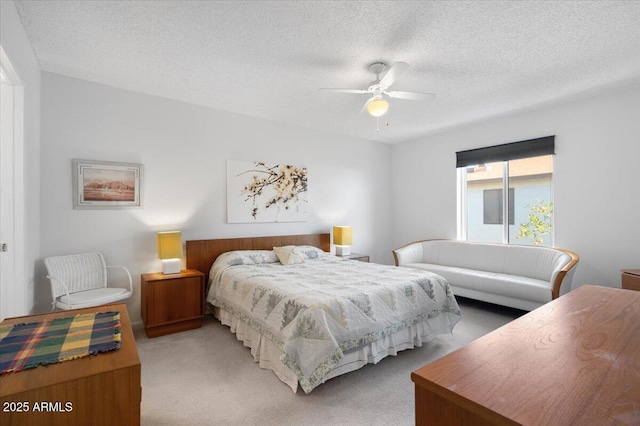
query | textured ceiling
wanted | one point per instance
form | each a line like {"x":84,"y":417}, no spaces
{"x":267,"y":59}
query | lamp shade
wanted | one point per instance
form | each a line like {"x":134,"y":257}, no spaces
{"x":342,"y":235}
{"x":170,"y":245}
{"x":378,"y":107}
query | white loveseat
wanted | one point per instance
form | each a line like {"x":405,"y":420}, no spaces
{"x":522,"y":277}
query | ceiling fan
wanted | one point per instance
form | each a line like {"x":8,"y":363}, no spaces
{"x":377,"y":105}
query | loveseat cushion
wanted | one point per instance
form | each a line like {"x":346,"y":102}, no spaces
{"x":533,"y":262}
{"x":536,"y":262}
{"x":514,"y":286}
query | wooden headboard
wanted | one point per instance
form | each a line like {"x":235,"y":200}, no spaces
{"x":202,"y":253}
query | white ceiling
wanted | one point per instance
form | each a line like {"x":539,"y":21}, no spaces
{"x":268,"y":58}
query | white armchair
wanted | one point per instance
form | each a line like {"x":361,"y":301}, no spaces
{"x":80,"y":281}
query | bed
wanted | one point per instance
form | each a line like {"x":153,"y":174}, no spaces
{"x":319,"y":316}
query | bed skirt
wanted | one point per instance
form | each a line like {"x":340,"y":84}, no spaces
{"x":267,"y":354}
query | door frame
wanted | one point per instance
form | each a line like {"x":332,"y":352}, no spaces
{"x":13,"y":289}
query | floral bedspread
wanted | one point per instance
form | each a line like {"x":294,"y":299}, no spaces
{"x":316,"y":310}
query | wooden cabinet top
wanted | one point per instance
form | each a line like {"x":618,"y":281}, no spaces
{"x":354,"y":256}
{"x":574,"y":360}
{"x":157,"y":276}
{"x":61,"y":372}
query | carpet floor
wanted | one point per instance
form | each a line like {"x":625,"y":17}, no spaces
{"x":207,"y":377}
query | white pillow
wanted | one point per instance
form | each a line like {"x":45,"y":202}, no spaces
{"x":287,"y":256}
{"x":309,"y":252}
{"x":246,"y":257}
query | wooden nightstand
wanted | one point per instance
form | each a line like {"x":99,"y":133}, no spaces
{"x":173,"y":302}
{"x":631,"y":279}
{"x":356,"y":256}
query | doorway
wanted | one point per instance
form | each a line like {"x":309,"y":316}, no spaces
{"x":12,"y":288}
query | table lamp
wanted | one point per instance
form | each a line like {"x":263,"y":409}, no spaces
{"x":170,"y":251}
{"x":342,"y":240}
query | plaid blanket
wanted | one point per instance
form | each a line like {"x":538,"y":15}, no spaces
{"x":25,"y":346}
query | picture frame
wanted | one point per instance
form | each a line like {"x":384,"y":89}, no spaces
{"x":258,"y":192}
{"x":107,"y":185}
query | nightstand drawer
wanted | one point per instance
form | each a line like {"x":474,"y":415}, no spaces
{"x":175,"y":300}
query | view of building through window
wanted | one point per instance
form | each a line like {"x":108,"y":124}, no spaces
{"x":493,"y":205}
{"x":529,"y":201}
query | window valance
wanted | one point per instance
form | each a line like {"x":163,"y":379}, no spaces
{"x":508,"y":151}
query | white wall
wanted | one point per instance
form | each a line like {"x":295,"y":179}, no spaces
{"x":184,"y":149}
{"x":596,"y":180}
{"x":16,"y":45}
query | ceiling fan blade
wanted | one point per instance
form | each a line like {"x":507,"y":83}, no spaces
{"x":413,"y":96}
{"x":358,"y":91}
{"x":394,"y":72}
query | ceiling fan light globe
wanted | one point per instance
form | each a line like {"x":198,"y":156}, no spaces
{"x":378,"y":107}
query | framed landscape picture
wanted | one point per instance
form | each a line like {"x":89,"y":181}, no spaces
{"x":106,"y":185}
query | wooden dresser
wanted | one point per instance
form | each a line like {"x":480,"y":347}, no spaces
{"x":94,"y":390}
{"x":573,"y":361}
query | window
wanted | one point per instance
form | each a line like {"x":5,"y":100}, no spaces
{"x":493,"y":206}
{"x":526,"y":169}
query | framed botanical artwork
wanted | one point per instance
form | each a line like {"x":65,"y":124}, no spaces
{"x":259,"y":192}
{"x":106,"y":185}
